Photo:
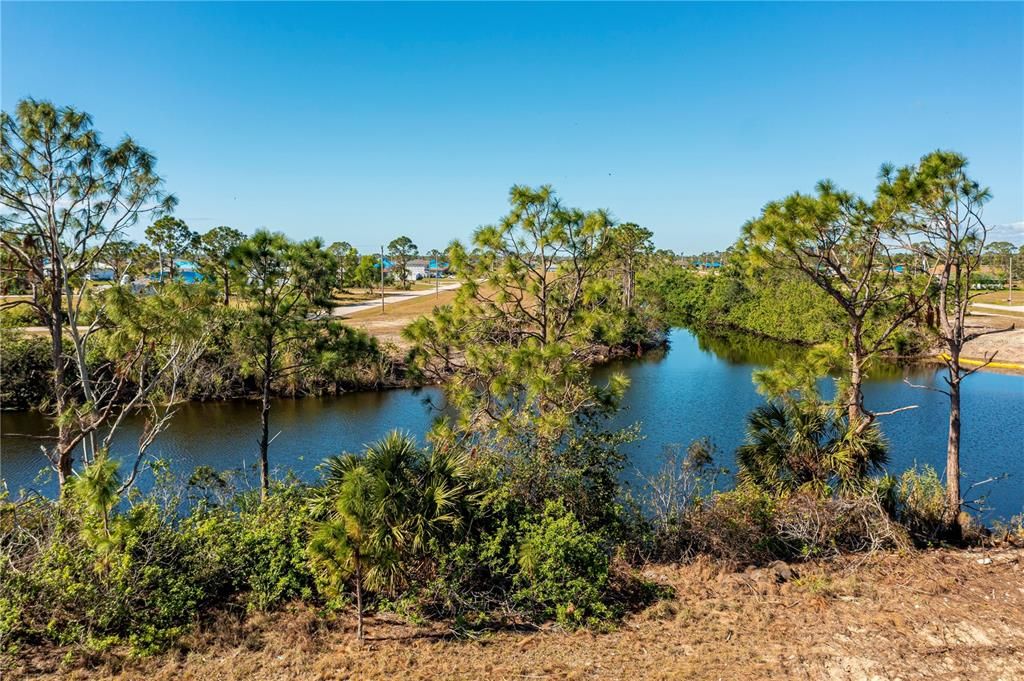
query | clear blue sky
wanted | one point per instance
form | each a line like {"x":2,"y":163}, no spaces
{"x":363,"y":122}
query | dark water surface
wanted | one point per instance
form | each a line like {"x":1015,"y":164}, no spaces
{"x":699,"y":387}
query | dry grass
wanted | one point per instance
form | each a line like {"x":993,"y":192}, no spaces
{"x":387,"y":325}
{"x":918,"y":615}
{"x":1001,"y":297}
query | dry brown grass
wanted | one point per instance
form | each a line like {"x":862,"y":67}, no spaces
{"x":387,"y":325}
{"x":1001,"y":297}
{"x":918,"y":615}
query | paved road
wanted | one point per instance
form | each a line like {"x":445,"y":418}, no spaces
{"x":345,"y":310}
{"x":1002,"y":308}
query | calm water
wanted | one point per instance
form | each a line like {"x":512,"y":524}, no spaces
{"x":699,"y":387}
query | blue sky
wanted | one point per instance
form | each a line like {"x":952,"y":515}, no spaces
{"x":363,"y":122}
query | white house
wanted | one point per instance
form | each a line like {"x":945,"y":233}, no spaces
{"x":417,"y":268}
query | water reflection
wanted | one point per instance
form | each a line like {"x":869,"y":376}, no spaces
{"x":701,"y":386}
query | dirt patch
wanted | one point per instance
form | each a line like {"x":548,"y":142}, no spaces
{"x":921,"y":615}
{"x":1008,"y":347}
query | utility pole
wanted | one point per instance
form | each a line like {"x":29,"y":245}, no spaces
{"x":1011,"y":278}
{"x":437,"y":278}
{"x":382,"y":279}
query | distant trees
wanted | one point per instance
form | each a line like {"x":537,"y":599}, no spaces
{"x":119,"y":254}
{"x":367,"y":273}
{"x":347,"y":258}
{"x":172,"y":239}
{"x":1000,"y":248}
{"x":216,"y":248}
{"x":630,"y":245}
{"x":401,"y":250}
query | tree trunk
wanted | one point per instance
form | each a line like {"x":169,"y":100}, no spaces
{"x":359,"y":598}
{"x":265,"y":421}
{"x":64,"y":452}
{"x":227,"y":291}
{"x":854,"y":412}
{"x":953,"y":500}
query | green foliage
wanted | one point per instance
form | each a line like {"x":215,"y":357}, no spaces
{"x":272,"y":543}
{"x":562,"y":569}
{"x":140,"y":590}
{"x":348,"y":261}
{"x":536,"y":304}
{"x":806,"y":445}
{"x":771,"y":303}
{"x":366,"y":273}
{"x":216,"y":249}
{"x":917,"y":499}
{"x":255,"y":548}
{"x":385,"y":507}
{"x":400,"y":251}
{"x":25,"y":368}
{"x":18,"y":315}
{"x":172,"y":239}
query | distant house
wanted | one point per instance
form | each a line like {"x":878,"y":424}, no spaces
{"x":185,"y":270}
{"x":417,"y":268}
{"x":437,"y":269}
{"x":388,"y":265}
{"x":421,"y":268}
{"x":101,"y":271}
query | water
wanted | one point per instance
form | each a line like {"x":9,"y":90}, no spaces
{"x":699,"y":387}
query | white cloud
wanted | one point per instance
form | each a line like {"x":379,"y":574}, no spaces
{"x":1012,"y":232}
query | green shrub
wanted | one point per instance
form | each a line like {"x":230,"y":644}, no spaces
{"x":19,"y":315}
{"x":562,"y":569}
{"x":25,"y":368}
{"x":254,"y":548}
{"x":139,"y":587}
{"x":917,"y":500}
{"x":66,"y":579}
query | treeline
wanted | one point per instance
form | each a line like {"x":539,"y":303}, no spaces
{"x":770,"y":303}
{"x":221,"y":372}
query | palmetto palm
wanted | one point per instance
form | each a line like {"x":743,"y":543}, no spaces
{"x":380,"y":509}
{"x":794,"y":444}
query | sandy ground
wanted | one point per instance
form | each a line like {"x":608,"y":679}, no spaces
{"x":1006,"y":347}
{"x":922,"y":615}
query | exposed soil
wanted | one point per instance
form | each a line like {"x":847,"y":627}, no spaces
{"x":923,"y":615}
{"x":1007,"y":347}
